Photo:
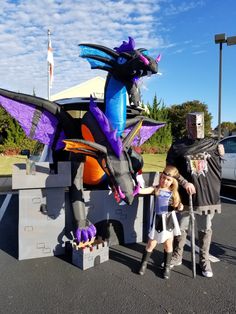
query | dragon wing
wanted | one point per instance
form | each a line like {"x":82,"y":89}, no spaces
{"x":40,"y":119}
{"x":86,"y":148}
{"x":139,"y":129}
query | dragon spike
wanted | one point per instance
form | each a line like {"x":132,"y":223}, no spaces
{"x":131,"y":42}
{"x":158,"y":59}
{"x":110,"y":134}
{"x":126,"y":46}
{"x":114,"y":133}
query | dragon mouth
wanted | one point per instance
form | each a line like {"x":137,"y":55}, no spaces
{"x":120,"y":196}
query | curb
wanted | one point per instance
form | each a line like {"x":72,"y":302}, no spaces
{"x":5,"y":184}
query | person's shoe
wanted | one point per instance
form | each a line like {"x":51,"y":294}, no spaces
{"x":206,"y":270}
{"x":145,"y":258}
{"x":175,"y":261}
{"x":167,"y":260}
{"x":207,"y":273}
{"x":143,"y":268}
{"x":166,"y":273}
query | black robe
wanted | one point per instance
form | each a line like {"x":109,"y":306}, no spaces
{"x":199,"y":162}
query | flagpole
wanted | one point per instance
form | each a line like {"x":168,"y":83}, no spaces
{"x":47,"y":152}
{"x":48,"y":66}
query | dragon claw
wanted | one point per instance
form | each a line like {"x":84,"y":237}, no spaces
{"x":85,"y":234}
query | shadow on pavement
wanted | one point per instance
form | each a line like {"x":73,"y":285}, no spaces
{"x":9,"y":230}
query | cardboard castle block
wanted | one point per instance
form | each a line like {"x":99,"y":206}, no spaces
{"x":41,"y":225}
{"x":90,"y":256}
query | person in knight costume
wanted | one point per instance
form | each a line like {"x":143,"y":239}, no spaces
{"x":198,"y":160}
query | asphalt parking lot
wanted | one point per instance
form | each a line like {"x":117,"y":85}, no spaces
{"x":55,"y":285}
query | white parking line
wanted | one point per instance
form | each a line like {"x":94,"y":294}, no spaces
{"x":229,"y":199}
{"x":4,"y":205}
{"x":212,"y":258}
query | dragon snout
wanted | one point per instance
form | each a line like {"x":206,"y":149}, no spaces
{"x":127,"y":198}
{"x":122,"y":197}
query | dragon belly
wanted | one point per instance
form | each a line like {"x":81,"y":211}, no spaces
{"x":93,"y":173}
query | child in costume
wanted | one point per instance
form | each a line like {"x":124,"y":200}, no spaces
{"x":164,"y":224}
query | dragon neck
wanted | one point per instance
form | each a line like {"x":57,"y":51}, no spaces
{"x":116,"y":100}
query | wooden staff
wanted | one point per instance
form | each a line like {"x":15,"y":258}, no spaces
{"x":192,"y":228}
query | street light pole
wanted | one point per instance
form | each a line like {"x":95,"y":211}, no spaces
{"x":220,"y":87}
{"x":220,"y":39}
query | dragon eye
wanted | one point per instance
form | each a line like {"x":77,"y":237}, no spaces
{"x":121,"y":60}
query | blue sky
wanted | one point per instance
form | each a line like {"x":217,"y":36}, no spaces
{"x":182,"y":31}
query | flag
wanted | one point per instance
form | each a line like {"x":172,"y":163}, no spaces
{"x":50,"y":63}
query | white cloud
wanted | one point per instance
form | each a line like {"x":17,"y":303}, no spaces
{"x":23,"y":41}
{"x":180,"y":7}
{"x":199,"y":52}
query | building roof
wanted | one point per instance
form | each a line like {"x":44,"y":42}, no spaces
{"x":94,"y":87}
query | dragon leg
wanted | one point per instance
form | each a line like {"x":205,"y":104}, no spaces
{"x":85,"y":231}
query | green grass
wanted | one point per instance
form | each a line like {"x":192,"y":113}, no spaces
{"x":6,"y":163}
{"x":152,"y":163}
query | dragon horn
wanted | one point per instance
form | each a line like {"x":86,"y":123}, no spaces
{"x":158,"y":59}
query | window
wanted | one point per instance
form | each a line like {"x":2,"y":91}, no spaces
{"x":229,"y":145}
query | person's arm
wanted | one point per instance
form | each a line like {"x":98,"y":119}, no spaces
{"x":188,"y":186}
{"x":221,"y":150}
{"x":148,"y":190}
{"x":171,"y":160}
{"x":176,"y":206}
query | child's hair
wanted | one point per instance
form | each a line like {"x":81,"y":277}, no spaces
{"x":173,"y":172}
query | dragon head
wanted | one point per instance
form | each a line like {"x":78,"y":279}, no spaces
{"x":131,"y":64}
{"x":124,"y":63}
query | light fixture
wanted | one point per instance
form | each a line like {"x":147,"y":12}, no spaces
{"x":221,"y":39}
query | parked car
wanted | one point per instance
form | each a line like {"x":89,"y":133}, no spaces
{"x":229,"y":159}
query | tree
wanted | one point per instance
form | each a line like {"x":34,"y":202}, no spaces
{"x":162,"y":139}
{"x":12,"y":136}
{"x":227,"y":127}
{"x":4,"y":121}
{"x":177,"y":117}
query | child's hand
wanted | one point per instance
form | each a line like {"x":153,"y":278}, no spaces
{"x":180,"y":207}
